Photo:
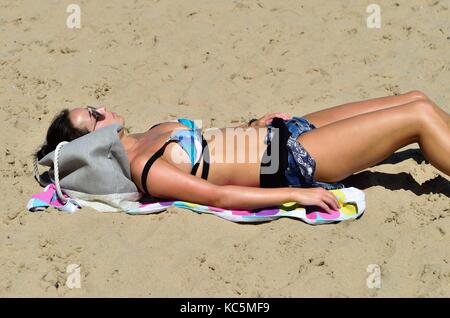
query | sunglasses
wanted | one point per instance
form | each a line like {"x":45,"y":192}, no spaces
{"x":96,"y":114}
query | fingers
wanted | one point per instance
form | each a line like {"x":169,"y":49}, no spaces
{"x":330,"y":199}
{"x":332,"y":203}
{"x":334,"y":200}
{"x":280,"y":115}
{"x":325,"y":207}
{"x":284,"y":116}
{"x":337,"y":201}
{"x":319,"y":197}
{"x":270,"y":116}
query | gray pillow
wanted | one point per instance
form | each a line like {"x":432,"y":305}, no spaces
{"x":95,"y":163}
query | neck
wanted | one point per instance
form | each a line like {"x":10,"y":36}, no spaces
{"x":129,"y":142}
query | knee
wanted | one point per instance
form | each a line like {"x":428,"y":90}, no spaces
{"x":417,"y":95}
{"x":425,"y":110}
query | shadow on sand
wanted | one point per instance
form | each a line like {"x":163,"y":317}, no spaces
{"x":403,"y":180}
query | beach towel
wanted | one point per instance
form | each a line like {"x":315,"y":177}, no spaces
{"x":352,"y":202}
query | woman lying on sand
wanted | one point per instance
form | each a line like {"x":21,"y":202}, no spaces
{"x":294,"y":158}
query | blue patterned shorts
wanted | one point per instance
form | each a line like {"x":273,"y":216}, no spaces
{"x":301,"y":166}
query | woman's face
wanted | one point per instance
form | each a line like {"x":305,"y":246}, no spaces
{"x":94,"y":118}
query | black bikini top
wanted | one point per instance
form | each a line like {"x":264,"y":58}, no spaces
{"x":192,"y":141}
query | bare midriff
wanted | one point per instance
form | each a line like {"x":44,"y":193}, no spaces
{"x":235,"y":153}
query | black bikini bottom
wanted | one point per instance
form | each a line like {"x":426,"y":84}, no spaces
{"x":274,"y":163}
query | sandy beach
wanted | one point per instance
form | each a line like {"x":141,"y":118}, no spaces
{"x":222,"y":62}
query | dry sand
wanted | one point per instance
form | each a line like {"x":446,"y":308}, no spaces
{"x":222,"y":62}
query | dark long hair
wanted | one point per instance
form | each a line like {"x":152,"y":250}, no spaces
{"x":61,"y":129}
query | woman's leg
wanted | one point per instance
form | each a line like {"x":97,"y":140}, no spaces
{"x":357,"y":143}
{"x":344,"y":111}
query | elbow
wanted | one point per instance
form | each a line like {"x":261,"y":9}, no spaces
{"x":219,"y":198}
{"x":228,"y":197}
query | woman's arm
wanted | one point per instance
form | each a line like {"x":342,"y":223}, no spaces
{"x":249,"y":198}
{"x":168,"y":182}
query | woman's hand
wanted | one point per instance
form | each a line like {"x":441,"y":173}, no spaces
{"x":316,"y":196}
{"x":267,"y":119}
